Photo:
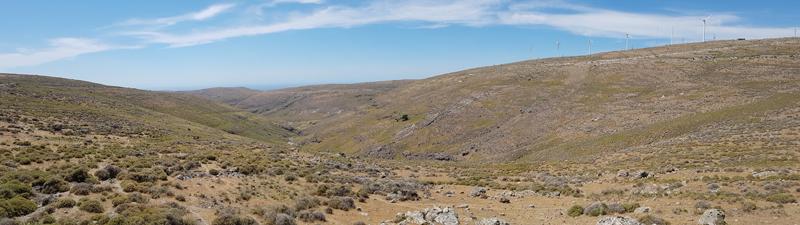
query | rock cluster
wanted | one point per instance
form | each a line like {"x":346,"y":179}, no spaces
{"x":446,"y":216}
{"x":618,"y":220}
{"x":491,"y":221}
{"x":712,"y":217}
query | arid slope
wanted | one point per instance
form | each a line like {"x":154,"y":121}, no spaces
{"x":550,"y":109}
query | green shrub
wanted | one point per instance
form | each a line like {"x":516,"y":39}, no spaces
{"x":781,"y":198}
{"x":48,"y":220}
{"x":575,"y":211}
{"x":92,"y":206}
{"x":648,"y":219}
{"x":55,"y":185}
{"x":630,"y":207}
{"x":18,"y":206}
{"x":749,"y":206}
{"x":616,"y":208}
{"x":345,"y":203}
{"x":15,"y":188}
{"x":213,"y":172}
{"x":230,"y":219}
{"x":65,"y":203}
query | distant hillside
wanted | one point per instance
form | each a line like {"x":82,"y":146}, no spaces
{"x":669,"y":97}
{"x":93,"y":108}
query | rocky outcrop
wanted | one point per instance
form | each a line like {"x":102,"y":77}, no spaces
{"x":477,"y":192}
{"x":446,"y":216}
{"x":618,"y":220}
{"x":491,"y":221}
{"x":642,"y":210}
{"x":712,"y":217}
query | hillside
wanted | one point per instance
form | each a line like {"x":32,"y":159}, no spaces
{"x":89,"y":108}
{"x":584,"y":107}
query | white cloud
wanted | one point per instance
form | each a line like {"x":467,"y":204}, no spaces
{"x":578,"y":19}
{"x":207,"y":13}
{"x":61,"y":48}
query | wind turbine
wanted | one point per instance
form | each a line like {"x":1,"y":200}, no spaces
{"x":626,"y":40}
{"x":531,"y":52}
{"x":558,"y":46}
{"x":590,"y":46}
{"x":704,"y":26}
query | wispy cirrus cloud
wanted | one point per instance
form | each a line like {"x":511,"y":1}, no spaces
{"x":204,"y":14}
{"x":61,"y":48}
{"x":577,"y":19}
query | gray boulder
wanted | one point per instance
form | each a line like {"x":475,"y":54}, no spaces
{"x":416,"y":217}
{"x":448,"y":216}
{"x":641,"y":174}
{"x":712,"y":217}
{"x":642,"y":210}
{"x":618,"y":220}
{"x":622,"y":173}
{"x":477,"y":192}
{"x":491,"y":221}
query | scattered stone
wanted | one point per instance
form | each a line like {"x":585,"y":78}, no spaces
{"x":642,"y":210}
{"x":477,"y":192}
{"x":641,"y":174}
{"x":393,"y":201}
{"x":618,"y":220}
{"x":10,"y":164}
{"x":492,"y":221}
{"x":622,"y":173}
{"x":183,"y":178}
{"x":712,"y":217}
{"x":112,"y":215}
{"x":464,"y":206}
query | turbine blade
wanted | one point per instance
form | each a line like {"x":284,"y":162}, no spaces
{"x":709,"y":16}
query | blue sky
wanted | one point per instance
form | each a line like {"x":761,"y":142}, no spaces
{"x":194,"y":44}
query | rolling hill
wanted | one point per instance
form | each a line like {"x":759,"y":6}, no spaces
{"x":584,"y":107}
{"x":85,"y":108}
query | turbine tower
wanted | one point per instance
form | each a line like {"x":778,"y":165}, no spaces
{"x":590,"y":46}
{"x":626,"y":40}
{"x":704,"y":26}
{"x":558,"y":46}
{"x":673,"y":36}
{"x":531,"y":52}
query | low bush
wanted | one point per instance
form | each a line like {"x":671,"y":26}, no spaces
{"x":213,"y":172}
{"x":18,"y":206}
{"x":749,"y":206}
{"x":575,"y":211}
{"x":781,"y":198}
{"x":630,"y":207}
{"x":700,"y":204}
{"x":65,"y":203}
{"x":648,"y":219}
{"x":92,"y":206}
{"x":306,"y":202}
{"x":345,"y":203}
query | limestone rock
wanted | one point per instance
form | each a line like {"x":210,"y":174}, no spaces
{"x":642,"y":210}
{"x":477,"y":192}
{"x":622,"y":173}
{"x":618,"y":220}
{"x":491,"y":221}
{"x":712,"y":217}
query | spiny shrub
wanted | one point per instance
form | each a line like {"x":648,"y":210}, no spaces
{"x":213,"y":172}
{"x":107,"y":172}
{"x":92,"y":206}
{"x":18,"y":206}
{"x":54,"y":185}
{"x":65,"y":203}
{"x":781,"y":198}
{"x":648,"y":219}
{"x":308,"y":216}
{"x":306,"y":202}
{"x":345,"y":203}
{"x":749,"y":206}
{"x":575,"y":210}
{"x":702,"y":204}
{"x":81,"y":189}
{"x":630,"y":207}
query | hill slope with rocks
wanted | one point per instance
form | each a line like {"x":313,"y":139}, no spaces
{"x":573,"y":108}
